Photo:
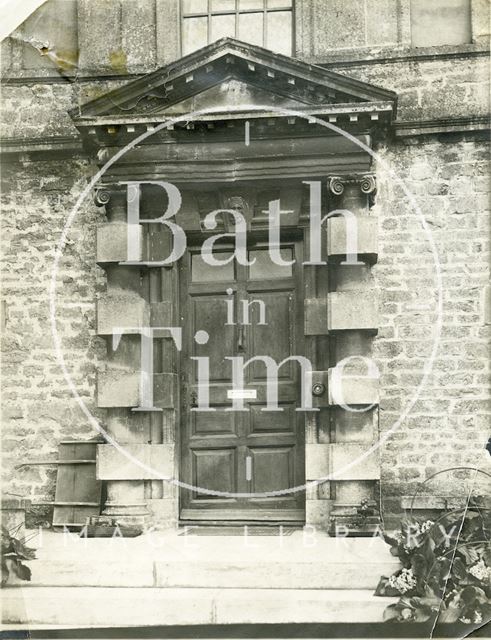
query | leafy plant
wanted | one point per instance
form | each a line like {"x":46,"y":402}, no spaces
{"x":446,"y":570}
{"x":14,"y":553}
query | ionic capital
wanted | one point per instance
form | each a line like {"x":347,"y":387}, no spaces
{"x":366,"y":183}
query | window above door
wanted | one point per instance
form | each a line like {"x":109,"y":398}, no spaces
{"x":440,"y":22}
{"x":267,"y":23}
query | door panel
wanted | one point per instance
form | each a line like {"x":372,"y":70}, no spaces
{"x":255,"y":450}
{"x":214,"y":469}
{"x":264,"y":268}
{"x":275,"y":338}
{"x":210,"y":314}
{"x":265,"y":423}
{"x":201,"y":271}
{"x":217,"y":422}
{"x":272,"y":468}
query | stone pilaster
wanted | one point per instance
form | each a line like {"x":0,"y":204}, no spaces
{"x":344,"y":319}
{"x":122,"y":305}
{"x":137,"y":296}
{"x":353,"y":389}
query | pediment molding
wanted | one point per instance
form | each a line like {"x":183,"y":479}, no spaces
{"x":216,"y":71}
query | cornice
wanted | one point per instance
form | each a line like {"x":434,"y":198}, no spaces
{"x":470,"y":124}
{"x":55,"y":146}
{"x":394,"y":55}
{"x":335,"y":59}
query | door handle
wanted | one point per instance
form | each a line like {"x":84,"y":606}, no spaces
{"x":318,"y":389}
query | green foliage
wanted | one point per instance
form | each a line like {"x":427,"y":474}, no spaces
{"x":14,"y":553}
{"x":446,"y":570}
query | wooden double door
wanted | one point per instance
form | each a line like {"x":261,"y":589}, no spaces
{"x":246,"y":311}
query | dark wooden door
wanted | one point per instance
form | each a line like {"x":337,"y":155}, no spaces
{"x":250,"y":451}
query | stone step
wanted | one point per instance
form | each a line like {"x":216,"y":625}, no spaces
{"x":321,"y":574}
{"x":119,"y":607}
{"x":212,"y":563}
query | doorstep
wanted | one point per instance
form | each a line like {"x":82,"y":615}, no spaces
{"x":121,"y":607}
{"x":169,"y":579}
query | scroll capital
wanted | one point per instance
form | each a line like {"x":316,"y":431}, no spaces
{"x":102,"y":197}
{"x":368,"y":184}
{"x":335,"y":185}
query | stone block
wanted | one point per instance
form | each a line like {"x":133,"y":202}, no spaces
{"x":165,"y":512}
{"x":77,"y":572}
{"x":121,"y":310}
{"x":100,"y":46}
{"x":348,"y":310}
{"x":422,"y":502}
{"x":381,"y":22}
{"x":323,"y":460}
{"x":147,"y":606}
{"x":349,"y":389}
{"x":324,"y":572}
{"x":161,"y":314}
{"x":138,"y":44}
{"x":118,"y":388}
{"x":365,"y":242}
{"x":316,"y":461}
{"x":168,"y":28}
{"x":351,"y":426}
{"x":144,"y":462}
{"x":165,"y":390}
{"x":353,"y":492}
{"x":14,"y":514}
{"x":121,"y":388}
{"x":336,"y":24}
{"x":317,"y":513}
{"x":107,"y":606}
{"x":315,"y":316}
{"x":480,"y":21}
{"x":342,"y":455}
{"x":486,"y":304}
{"x":112,"y":242}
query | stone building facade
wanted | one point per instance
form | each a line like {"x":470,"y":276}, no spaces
{"x":409,"y":83}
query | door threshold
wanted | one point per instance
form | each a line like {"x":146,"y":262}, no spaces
{"x":243,"y":516}
{"x":240,"y":523}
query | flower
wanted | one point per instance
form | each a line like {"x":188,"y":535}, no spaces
{"x":404,"y":581}
{"x":481,"y":571}
{"x":467,"y":597}
{"x":426,"y":526}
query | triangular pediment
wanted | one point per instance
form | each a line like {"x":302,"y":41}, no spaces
{"x":229,"y":94}
{"x":230,"y":74}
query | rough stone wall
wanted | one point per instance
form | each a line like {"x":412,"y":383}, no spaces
{"x":448,"y":426}
{"x":38,"y":410}
{"x":433,"y":88}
